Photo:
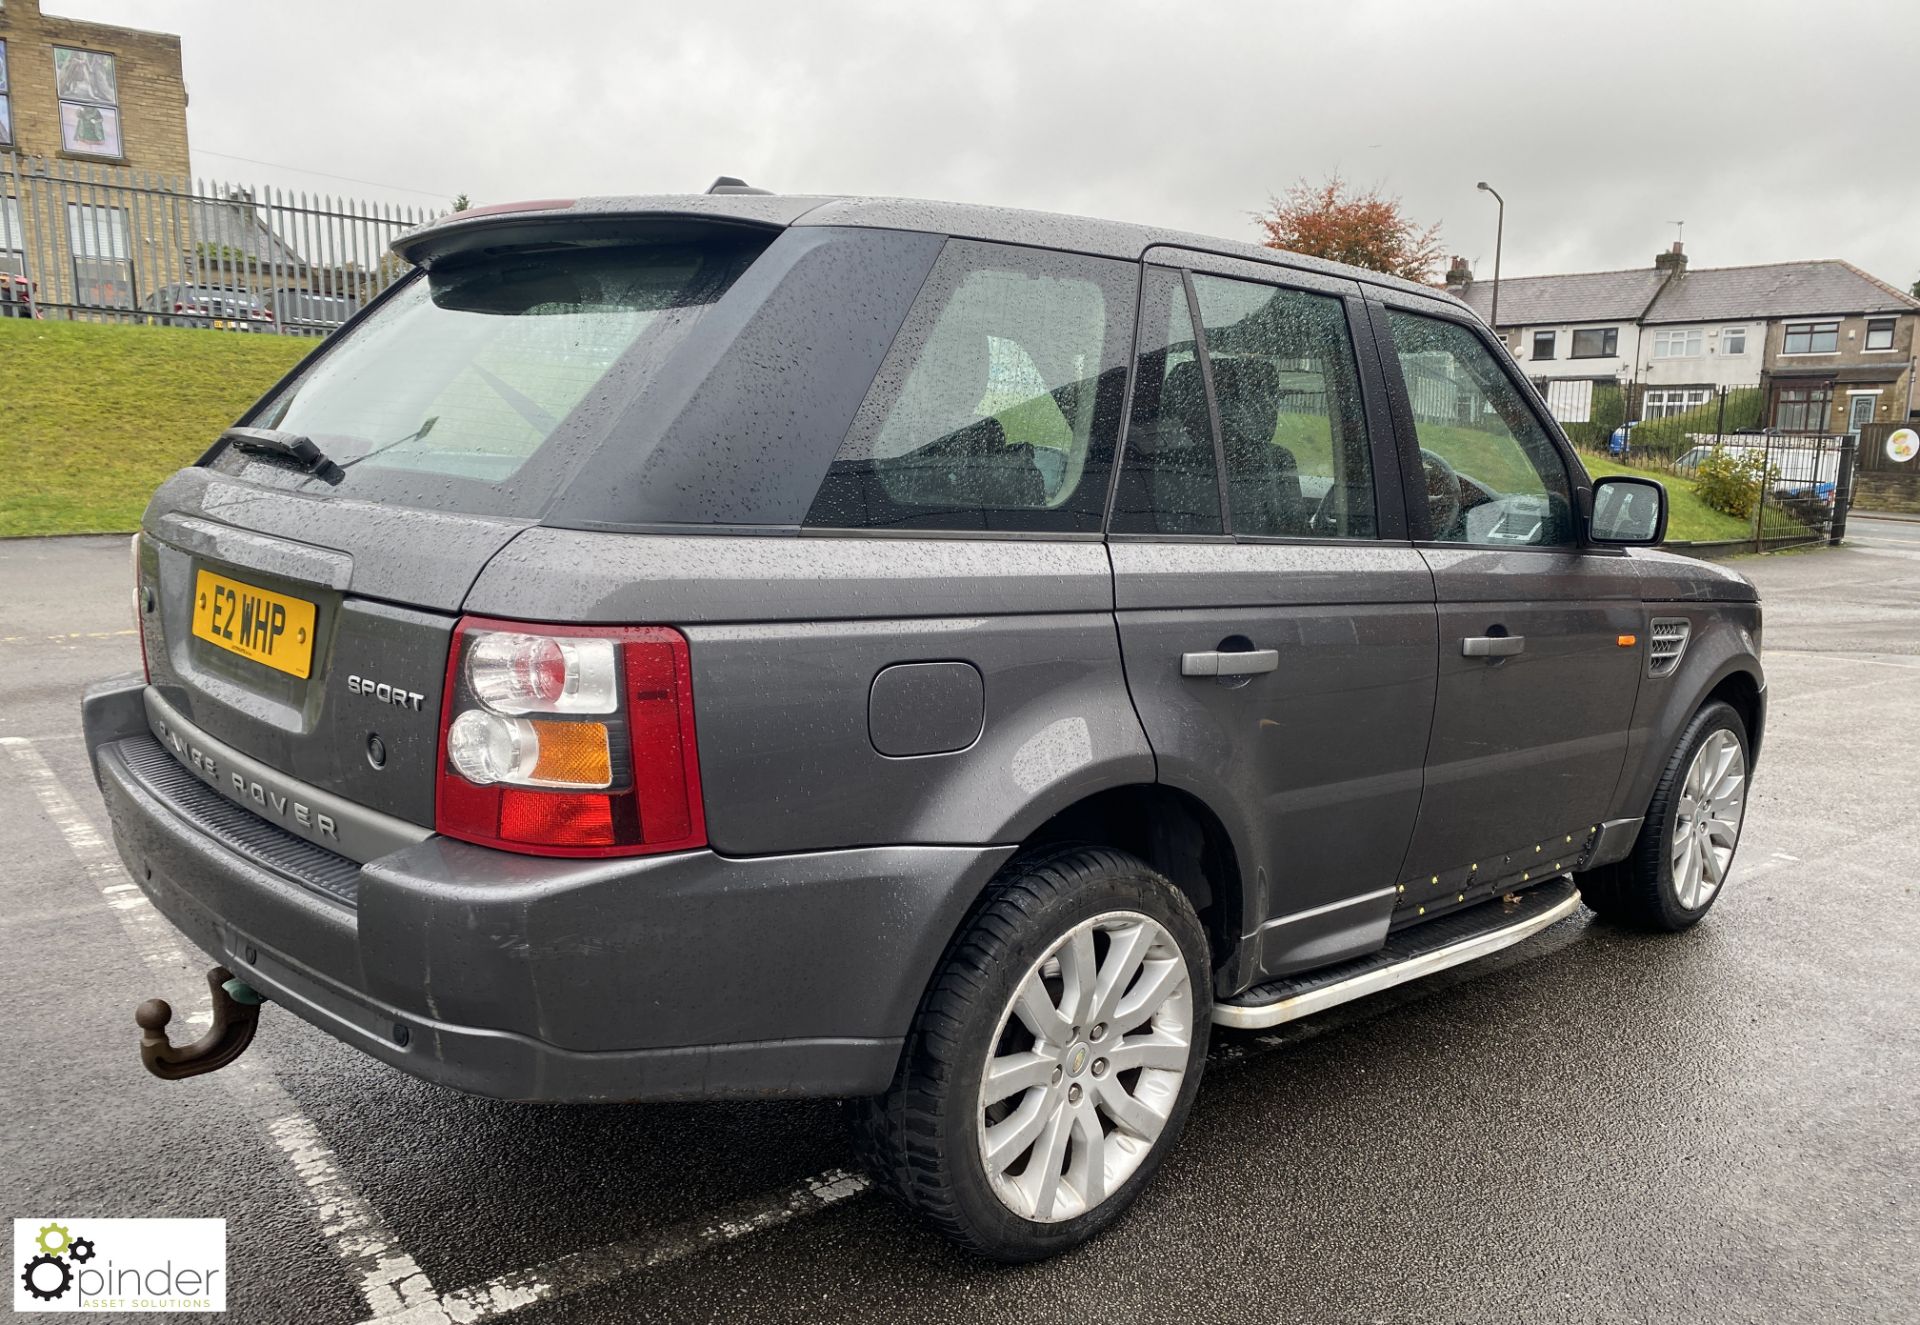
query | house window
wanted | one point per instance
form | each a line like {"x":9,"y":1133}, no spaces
{"x":1811,"y":338}
{"x":1543,"y":344}
{"x":1595,"y":342}
{"x":1733,"y":340}
{"x":13,"y":243}
{"x":1664,"y":404}
{"x":1678,"y":343}
{"x":1880,"y":333}
{"x":102,"y":258}
{"x":1803,"y":408}
{"x":6,"y":101}
{"x":88,"y":86}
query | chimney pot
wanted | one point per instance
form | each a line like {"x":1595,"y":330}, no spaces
{"x":1673,"y":261}
{"x":1459,"y":274}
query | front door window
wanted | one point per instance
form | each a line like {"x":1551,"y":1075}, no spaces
{"x":1493,"y":475}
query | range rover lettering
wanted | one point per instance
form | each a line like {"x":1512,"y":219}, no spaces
{"x":940,"y":656}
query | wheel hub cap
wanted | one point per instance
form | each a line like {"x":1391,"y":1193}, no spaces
{"x":1707,"y":819}
{"x":1063,"y":1122}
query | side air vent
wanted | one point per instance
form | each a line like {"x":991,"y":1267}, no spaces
{"x":1670,"y":635}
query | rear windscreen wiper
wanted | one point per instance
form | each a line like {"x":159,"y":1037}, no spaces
{"x":287,"y":445}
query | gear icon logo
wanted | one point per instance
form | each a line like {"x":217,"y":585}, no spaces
{"x":82,"y":1250}
{"x":55,"y":1239}
{"x":33,"y":1280}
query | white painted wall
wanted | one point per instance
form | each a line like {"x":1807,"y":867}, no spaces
{"x":1620,"y":364}
{"x":1710,"y":367}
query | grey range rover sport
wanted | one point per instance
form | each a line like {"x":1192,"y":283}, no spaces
{"x":941,"y":656}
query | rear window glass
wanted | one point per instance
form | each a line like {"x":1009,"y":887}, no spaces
{"x":997,"y":407}
{"x":474,"y":386}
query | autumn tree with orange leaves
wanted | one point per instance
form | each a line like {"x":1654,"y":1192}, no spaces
{"x":1334,"y":220}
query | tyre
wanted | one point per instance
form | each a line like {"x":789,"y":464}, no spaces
{"x":1692,"y":829}
{"x":1053,"y":1060}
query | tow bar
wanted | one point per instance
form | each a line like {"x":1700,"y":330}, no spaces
{"x":236,"y":1014}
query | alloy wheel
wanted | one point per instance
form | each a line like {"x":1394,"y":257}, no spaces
{"x":1085,"y":1066}
{"x":1707,"y":822}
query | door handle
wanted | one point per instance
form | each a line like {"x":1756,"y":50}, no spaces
{"x":1493,"y":646}
{"x":1215,"y":662}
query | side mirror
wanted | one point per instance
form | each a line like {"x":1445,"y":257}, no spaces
{"x":1628,"y":512}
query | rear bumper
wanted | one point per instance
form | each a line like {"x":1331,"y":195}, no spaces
{"x":669,"y":977}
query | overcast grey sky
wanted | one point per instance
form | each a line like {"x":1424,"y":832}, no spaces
{"x":1774,"y":130}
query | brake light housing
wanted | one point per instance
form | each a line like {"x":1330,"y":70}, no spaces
{"x":569,"y":740}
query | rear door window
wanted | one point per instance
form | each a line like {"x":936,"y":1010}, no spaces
{"x":997,"y":407}
{"x":1292,"y":427}
{"x":1170,"y":479}
{"x":474,"y":386}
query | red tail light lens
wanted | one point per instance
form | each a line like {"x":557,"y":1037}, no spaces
{"x":569,"y":741}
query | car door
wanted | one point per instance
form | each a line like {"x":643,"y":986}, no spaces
{"x":1538,"y":635}
{"x":1276,"y":624}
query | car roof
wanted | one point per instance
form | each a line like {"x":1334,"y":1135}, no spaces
{"x":1007,"y":225}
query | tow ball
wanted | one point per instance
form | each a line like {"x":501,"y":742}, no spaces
{"x":236,"y":1015}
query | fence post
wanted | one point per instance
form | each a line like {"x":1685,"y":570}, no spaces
{"x":1760,"y":497}
{"x":1720,"y":422}
{"x":1842,"y":490}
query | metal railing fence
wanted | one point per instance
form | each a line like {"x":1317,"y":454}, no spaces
{"x":111,"y":244}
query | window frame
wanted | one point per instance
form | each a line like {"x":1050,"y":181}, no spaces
{"x":1811,"y":329}
{"x":6,"y":99}
{"x":1892,"y":325}
{"x":1609,"y":341}
{"x":1390,"y":515}
{"x":1413,"y":479}
{"x":1813,"y":389}
{"x":1725,"y":333}
{"x":1552,"y":339}
{"x":1692,"y":340}
{"x":60,"y":104}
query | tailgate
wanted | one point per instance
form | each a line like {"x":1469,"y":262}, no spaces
{"x":310,"y":637}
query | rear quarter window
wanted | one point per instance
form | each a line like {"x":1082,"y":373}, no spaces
{"x":997,"y":406}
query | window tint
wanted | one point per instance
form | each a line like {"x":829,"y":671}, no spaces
{"x":1543,"y":344}
{"x":1291,"y":424}
{"x":998,"y":405}
{"x":1169,"y":484}
{"x":1492,"y":473}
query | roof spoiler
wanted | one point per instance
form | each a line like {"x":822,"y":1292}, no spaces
{"x":728,"y":184}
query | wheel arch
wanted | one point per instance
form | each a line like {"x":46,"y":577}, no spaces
{"x":1180,"y":836}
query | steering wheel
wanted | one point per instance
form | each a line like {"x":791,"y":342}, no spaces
{"x":1443,"y":493}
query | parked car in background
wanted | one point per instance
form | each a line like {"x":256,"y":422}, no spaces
{"x":950,"y":657}
{"x":16,"y":296}
{"x":221,"y":307}
{"x":306,"y":311}
{"x":1796,"y":469}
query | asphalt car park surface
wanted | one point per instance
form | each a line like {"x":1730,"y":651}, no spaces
{"x":1594,"y":1125}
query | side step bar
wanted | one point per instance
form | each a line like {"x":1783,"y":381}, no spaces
{"x":1409,"y":954}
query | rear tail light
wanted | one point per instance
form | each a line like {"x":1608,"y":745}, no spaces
{"x":569,"y":741}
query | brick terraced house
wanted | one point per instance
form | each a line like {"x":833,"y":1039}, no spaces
{"x":1832,"y":347}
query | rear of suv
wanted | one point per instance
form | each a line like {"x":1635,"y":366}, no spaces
{"x":947,"y":657}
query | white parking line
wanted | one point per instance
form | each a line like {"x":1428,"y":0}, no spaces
{"x":385,"y":1275}
{"x":581,"y":1270}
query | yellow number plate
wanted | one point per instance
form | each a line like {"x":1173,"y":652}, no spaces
{"x":267,"y":627}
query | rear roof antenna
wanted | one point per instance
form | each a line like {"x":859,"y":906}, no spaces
{"x":728,"y":184}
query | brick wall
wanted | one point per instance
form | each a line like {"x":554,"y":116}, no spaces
{"x":152,"y":93}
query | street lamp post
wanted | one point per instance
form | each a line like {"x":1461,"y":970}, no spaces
{"x":1499,"y":233}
